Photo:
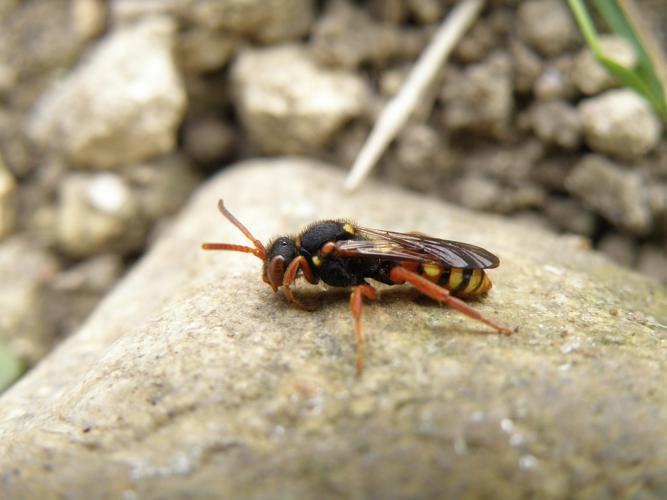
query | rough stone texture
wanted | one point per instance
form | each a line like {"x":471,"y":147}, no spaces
{"x":621,"y":123}
{"x":619,"y":194}
{"x":548,"y":26}
{"x":123,"y":104}
{"x":193,"y":380}
{"x":590,"y":76}
{"x":288,"y":103}
{"x":479,"y":99}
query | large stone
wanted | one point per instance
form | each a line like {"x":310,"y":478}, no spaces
{"x":192,"y":379}
{"x":123,"y":104}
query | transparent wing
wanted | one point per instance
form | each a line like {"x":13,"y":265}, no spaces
{"x":416,"y":247}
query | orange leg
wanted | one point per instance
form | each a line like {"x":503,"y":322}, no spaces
{"x":400,"y":275}
{"x":356,"y":304}
{"x":290,"y":276}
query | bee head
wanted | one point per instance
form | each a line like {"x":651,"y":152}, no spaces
{"x":280,"y":253}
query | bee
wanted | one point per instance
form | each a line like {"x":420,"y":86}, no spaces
{"x":343,"y":254}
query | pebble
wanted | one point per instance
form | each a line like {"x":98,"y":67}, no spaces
{"x":548,"y":26}
{"x":480,"y":99}
{"x":620,"y":123}
{"x":618,"y":194}
{"x":557,"y":122}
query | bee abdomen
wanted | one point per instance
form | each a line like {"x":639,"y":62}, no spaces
{"x":461,"y":282}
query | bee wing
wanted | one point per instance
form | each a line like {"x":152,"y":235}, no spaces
{"x":416,"y":247}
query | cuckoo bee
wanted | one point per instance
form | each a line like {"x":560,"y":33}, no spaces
{"x":343,"y":254}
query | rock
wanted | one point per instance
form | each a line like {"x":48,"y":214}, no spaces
{"x":590,"y":76}
{"x":37,"y":40}
{"x":527,"y":66}
{"x":556,"y":122}
{"x":569,"y":215}
{"x":208,"y":140}
{"x":652,"y":261}
{"x":479,"y":99}
{"x":193,"y":377}
{"x":97,"y":212}
{"x":263,"y":20}
{"x":25,"y":270}
{"x":555,"y":81}
{"x":548,"y":26}
{"x":203,"y":51}
{"x":618,"y":194}
{"x":89,"y":17}
{"x":426,"y":11}
{"x":123,"y":104}
{"x":347,"y":36}
{"x":73,"y":293}
{"x":620,"y":248}
{"x":106,"y":212}
{"x":288,"y":103}
{"x":621,"y":123}
{"x":7,"y":201}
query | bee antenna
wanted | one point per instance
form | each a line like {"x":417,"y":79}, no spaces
{"x":259,"y":249}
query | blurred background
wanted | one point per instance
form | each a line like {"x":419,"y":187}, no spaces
{"x":113,"y":112}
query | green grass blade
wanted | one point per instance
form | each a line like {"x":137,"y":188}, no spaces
{"x":642,"y":78}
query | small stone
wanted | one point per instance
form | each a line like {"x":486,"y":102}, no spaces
{"x":555,"y":81}
{"x":619,"y":248}
{"x":25,"y":271}
{"x":347,"y":36}
{"x":8,"y":194}
{"x":75,"y":292}
{"x":618,"y":194}
{"x":288,"y":103}
{"x":569,"y":215}
{"x":201,"y":50}
{"x":621,"y":123}
{"x":426,"y":11}
{"x":527,"y":66}
{"x":652,"y":261}
{"x":556,"y":122}
{"x":208,"y":140}
{"x":124,"y":103}
{"x":548,"y":26}
{"x":590,"y":76}
{"x":263,"y":20}
{"x":480,"y":98}
{"x":89,"y":17}
{"x":97,"y":212}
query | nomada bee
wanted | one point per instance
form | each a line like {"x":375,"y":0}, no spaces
{"x":343,"y":254}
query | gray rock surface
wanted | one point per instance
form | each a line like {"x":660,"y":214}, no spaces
{"x":193,"y":380}
{"x":132,"y":88}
